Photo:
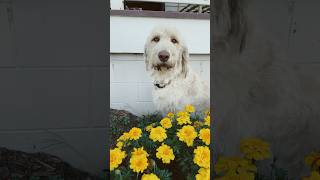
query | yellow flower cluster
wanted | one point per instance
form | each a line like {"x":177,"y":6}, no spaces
{"x":207,"y":120}
{"x":255,"y":149}
{"x":183,"y":118}
{"x":138,"y":163}
{"x":116,"y":157}
{"x":189,"y":108}
{"x":119,"y":144}
{"x":187,"y":134}
{"x":170,"y":115}
{"x":139,"y":152}
{"x":149,"y":177}
{"x":165,"y":153}
{"x":158,"y":134}
{"x":166,"y":123}
{"x":231,"y":166}
{"x":135,"y":133}
{"x":204,"y":135}
{"x":203,"y":174}
{"x":124,"y":137}
{"x":139,"y":160}
{"x":148,"y":128}
{"x":202,"y":156}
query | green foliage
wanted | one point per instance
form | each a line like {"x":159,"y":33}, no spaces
{"x":145,"y":120}
{"x":163,"y":174}
{"x":123,"y":174}
{"x":276,"y":173}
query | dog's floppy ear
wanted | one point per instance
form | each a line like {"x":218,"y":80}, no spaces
{"x":230,"y":23}
{"x":145,"y":56}
{"x":184,"y":61}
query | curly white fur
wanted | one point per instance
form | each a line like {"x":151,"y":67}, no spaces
{"x":182,"y":85}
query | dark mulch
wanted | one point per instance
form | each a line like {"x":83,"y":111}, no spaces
{"x":121,"y":121}
{"x":21,"y":165}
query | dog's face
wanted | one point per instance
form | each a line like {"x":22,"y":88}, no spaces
{"x":165,"y":52}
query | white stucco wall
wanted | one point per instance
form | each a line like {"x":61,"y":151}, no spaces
{"x":130,"y":86}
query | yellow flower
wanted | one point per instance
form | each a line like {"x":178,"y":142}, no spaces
{"x":135,"y":133}
{"x":230,"y":165}
{"x":207,"y":120}
{"x":166,"y":123}
{"x":182,"y":113}
{"x":149,"y":177}
{"x":203,"y":174}
{"x":202,"y":156}
{"x":138,"y":163}
{"x":313,"y":160}
{"x":187,"y":134}
{"x":314,"y":176}
{"x":189,"y":108}
{"x":116,"y":157}
{"x":124,"y":137}
{"x":148,"y":128}
{"x":204,"y":135}
{"x":119,"y":144}
{"x":139,"y":152}
{"x":183,"y":118}
{"x":170,"y":115}
{"x":158,"y":134}
{"x":165,"y":153}
{"x":255,"y":149}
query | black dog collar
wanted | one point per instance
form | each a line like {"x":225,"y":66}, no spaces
{"x":161,"y":86}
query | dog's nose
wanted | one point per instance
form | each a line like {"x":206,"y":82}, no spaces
{"x":164,"y":56}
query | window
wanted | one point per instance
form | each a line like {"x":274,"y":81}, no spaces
{"x":161,"y":5}
{"x":138,"y":5}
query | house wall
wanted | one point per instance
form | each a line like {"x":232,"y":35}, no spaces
{"x":53,"y":79}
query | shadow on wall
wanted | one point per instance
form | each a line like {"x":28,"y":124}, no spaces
{"x":258,"y":90}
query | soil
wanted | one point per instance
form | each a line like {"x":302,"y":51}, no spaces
{"x":21,"y":165}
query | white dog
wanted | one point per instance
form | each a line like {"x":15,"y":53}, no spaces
{"x":175,"y":84}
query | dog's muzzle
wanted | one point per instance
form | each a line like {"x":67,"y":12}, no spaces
{"x":159,"y":66}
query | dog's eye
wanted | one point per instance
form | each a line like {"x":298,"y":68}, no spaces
{"x":174,"y":41}
{"x":156,"y":39}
